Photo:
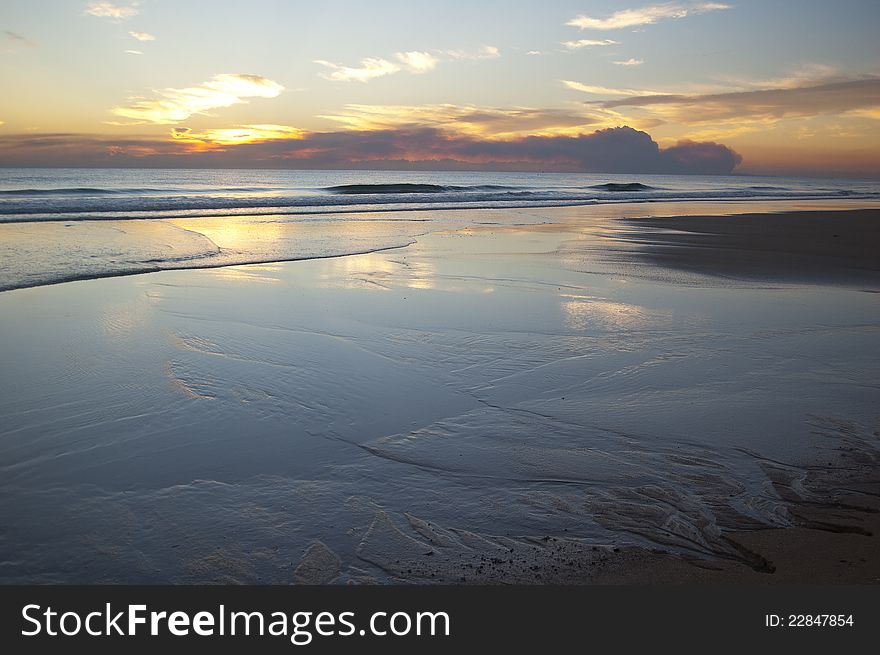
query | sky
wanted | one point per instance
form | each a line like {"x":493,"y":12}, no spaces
{"x":748,"y":86}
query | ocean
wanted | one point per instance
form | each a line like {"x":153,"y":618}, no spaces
{"x":118,"y":194}
{"x":59,"y":225}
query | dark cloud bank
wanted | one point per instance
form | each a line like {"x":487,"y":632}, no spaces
{"x":615,"y":150}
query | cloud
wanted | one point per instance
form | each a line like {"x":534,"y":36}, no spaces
{"x":613,"y":150}
{"x":468,"y":120}
{"x":414,"y":61}
{"x":606,"y":91}
{"x":142,"y":36}
{"x":644,"y":15}
{"x":109,"y":10}
{"x":11,"y":42}
{"x":534,"y":53}
{"x":417,"y":62}
{"x":133,"y":52}
{"x":690,"y":156}
{"x":873,"y":114}
{"x":232,"y":136}
{"x":176,"y":105}
{"x":18,"y":38}
{"x":621,"y":150}
{"x":587,"y":43}
{"x":852,"y":95}
{"x":629,"y":62}
{"x":369,"y":69}
{"x":485,"y":52}
{"x":810,"y":74}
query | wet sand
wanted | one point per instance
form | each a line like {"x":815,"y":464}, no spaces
{"x":803,"y":247}
{"x":835,"y":544}
{"x":835,"y":538}
{"x":503,"y":403}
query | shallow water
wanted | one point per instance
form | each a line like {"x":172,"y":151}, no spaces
{"x":40,"y":253}
{"x":415,"y":410}
{"x":59,"y":225}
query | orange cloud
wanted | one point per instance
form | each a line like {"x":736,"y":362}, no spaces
{"x":606,"y":91}
{"x":470,"y":120}
{"x":176,"y":105}
{"x":233,"y":136}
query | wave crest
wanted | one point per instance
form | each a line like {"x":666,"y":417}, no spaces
{"x":407,"y":187}
{"x":627,"y":186}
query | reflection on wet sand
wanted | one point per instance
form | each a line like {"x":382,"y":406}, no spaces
{"x":264,"y":273}
{"x":378,"y":272}
{"x":589,"y":312}
{"x":241,"y":234}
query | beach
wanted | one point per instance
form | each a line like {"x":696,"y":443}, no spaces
{"x":647,"y":392}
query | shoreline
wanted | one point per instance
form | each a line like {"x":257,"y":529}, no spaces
{"x":332,"y":210}
{"x":679,"y":241}
{"x":196,"y":267}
